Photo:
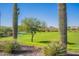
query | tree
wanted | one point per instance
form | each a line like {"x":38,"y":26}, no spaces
{"x":44,"y":27}
{"x":32,"y":25}
{"x":0,"y":24}
{"x":69,"y":28}
{"x":5,"y":31}
{"x":52,"y":29}
{"x":63,"y":25}
{"x":8,"y":31}
{"x":15,"y":20}
{"x":21,"y":28}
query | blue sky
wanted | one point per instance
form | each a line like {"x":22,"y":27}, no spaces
{"x":45,"y":12}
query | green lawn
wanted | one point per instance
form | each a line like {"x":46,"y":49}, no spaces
{"x":74,"y":40}
{"x":42,"y":39}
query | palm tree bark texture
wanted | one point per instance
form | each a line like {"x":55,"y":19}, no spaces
{"x":63,"y":25}
{"x":15,"y":20}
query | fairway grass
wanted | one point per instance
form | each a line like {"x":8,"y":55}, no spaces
{"x":43,"y":38}
{"x":74,"y":40}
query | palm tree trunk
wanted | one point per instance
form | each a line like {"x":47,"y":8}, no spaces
{"x":0,"y":23}
{"x":15,"y":21}
{"x":0,"y":19}
{"x":63,"y":25}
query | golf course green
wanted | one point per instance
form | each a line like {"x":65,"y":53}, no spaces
{"x":44,"y":38}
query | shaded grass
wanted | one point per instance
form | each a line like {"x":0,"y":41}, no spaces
{"x":44,"y":41}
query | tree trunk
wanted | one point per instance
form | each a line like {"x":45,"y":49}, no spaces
{"x":0,"y":19}
{"x":63,"y":25}
{"x":0,"y":24}
{"x":15,"y":21}
{"x":32,"y":37}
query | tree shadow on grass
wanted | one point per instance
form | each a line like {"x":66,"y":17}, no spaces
{"x":70,"y":43}
{"x":44,"y":41}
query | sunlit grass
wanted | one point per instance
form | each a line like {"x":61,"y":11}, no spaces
{"x":25,"y":39}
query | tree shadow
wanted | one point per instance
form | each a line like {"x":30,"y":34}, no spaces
{"x":44,"y":41}
{"x":70,"y":43}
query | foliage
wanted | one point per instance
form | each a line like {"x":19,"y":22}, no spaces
{"x":5,"y":31}
{"x":54,"y":49}
{"x":5,"y":46}
{"x":52,"y":29}
{"x":8,"y":47}
{"x":43,"y":27}
{"x":15,"y":47}
{"x":21,"y":28}
{"x":32,"y":25}
{"x":36,"y":25}
{"x":73,"y":28}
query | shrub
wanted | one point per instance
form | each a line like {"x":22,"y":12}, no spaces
{"x":15,"y":48}
{"x":8,"y":48}
{"x":5,"y":46}
{"x":54,"y":49}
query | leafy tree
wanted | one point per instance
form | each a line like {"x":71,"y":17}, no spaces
{"x":21,"y":28}
{"x":31,"y":25}
{"x":69,"y":28}
{"x":53,"y":29}
{"x":5,"y":31}
{"x":44,"y":27}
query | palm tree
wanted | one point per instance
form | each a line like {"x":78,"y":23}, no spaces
{"x":0,"y":19}
{"x":63,"y":25}
{"x":15,"y":21}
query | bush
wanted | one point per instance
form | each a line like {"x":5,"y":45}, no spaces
{"x":8,"y":47}
{"x":54,"y":49}
{"x":5,"y":46}
{"x":15,"y":48}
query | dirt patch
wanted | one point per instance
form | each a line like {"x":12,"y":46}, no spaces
{"x":28,"y":51}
